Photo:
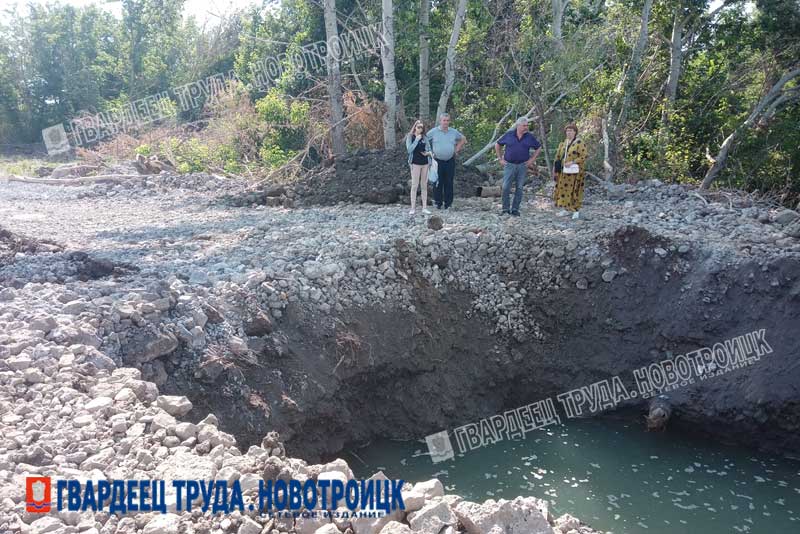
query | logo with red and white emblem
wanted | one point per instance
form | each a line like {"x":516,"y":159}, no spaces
{"x":37,"y":494}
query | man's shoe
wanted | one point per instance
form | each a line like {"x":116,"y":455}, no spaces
{"x":515,"y":213}
{"x":426,"y":211}
{"x":438,"y":206}
{"x":412,"y":212}
{"x":505,"y":212}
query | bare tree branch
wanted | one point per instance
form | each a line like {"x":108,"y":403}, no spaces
{"x":766,"y":103}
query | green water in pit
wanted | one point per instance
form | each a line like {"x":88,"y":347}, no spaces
{"x":614,"y":476}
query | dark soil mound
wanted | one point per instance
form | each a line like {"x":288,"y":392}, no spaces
{"x":60,"y":263}
{"x":11,"y":244}
{"x":376,"y":177}
{"x":89,"y":268}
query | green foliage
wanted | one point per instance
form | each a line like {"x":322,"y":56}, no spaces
{"x":59,"y":61}
{"x":144,"y":150}
{"x":189,"y":155}
{"x":477,"y":119}
{"x":285,"y":127}
{"x":274,"y":156}
{"x":23,"y":166}
{"x":273,"y":35}
{"x":150,"y":29}
{"x":194,"y":155}
{"x":227,"y":157}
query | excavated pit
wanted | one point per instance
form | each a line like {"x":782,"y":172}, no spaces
{"x":328,"y":381}
{"x":334,"y":325}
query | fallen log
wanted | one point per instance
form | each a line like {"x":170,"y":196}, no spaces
{"x":536,"y":178}
{"x":73,"y":170}
{"x":599,"y":180}
{"x":84,"y":180}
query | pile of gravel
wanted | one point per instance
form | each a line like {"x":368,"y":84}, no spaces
{"x":199,"y":184}
{"x":332,"y":258}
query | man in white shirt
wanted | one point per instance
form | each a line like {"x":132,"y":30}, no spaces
{"x":445,"y":142}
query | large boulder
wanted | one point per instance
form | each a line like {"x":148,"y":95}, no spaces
{"x":567,"y":523}
{"x":393,"y":527}
{"x":523,"y":514}
{"x":793,"y":229}
{"x":338,"y":466}
{"x":257,"y":325}
{"x":432,"y":518}
{"x":430,"y":488}
{"x":176,"y":405}
{"x":435,"y":223}
{"x":146,"y":348}
{"x":248,"y":526}
{"x":162,"y":524}
{"x":786,"y":216}
{"x":184,"y":465}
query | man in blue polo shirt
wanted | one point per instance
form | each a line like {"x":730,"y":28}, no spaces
{"x":518,"y":143}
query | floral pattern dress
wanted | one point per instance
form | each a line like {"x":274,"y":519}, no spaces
{"x":569,"y":187}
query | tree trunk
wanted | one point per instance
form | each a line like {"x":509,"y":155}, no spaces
{"x":424,"y":60}
{"x":607,"y":167}
{"x":675,"y":59}
{"x":629,"y":86}
{"x":389,"y":79}
{"x":559,"y":6}
{"x":83,"y":180}
{"x":774,"y":95}
{"x":402,"y":120}
{"x":450,"y":61}
{"x":628,"y":89}
{"x":540,"y":114}
{"x":334,"y":78}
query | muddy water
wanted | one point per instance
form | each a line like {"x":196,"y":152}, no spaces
{"x":616,"y":477}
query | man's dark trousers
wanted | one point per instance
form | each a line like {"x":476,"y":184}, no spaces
{"x":443,"y":192}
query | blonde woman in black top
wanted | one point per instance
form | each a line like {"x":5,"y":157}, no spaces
{"x":419,"y":158}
